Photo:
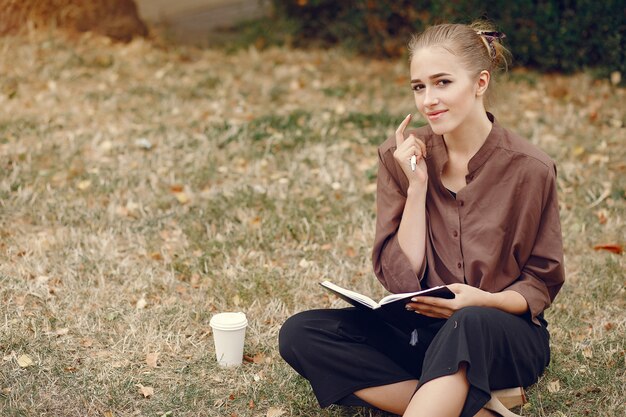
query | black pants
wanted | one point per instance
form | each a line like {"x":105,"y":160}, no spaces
{"x":345,"y":350}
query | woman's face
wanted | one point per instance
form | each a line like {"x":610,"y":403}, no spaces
{"x":445,"y":92}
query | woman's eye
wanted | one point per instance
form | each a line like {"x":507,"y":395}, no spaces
{"x":417,"y":87}
{"x":443,"y":82}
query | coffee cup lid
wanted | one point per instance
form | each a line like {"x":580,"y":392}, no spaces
{"x":229,"y":321}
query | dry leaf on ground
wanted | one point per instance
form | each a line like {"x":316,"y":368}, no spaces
{"x":274,"y":412}
{"x":83,"y":185}
{"x":24,"y":361}
{"x":141,"y":303}
{"x":258,"y":358}
{"x":554,"y":386}
{"x":61,"y":332}
{"x":147,"y":392}
{"x":151,"y":359}
{"x":613,"y":248}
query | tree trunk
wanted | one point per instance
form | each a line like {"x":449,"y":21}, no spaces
{"x":117,"y":19}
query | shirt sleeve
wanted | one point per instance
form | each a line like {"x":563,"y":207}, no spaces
{"x":543,"y":275}
{"x":391,"y":265}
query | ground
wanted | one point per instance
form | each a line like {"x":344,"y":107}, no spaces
{"x":145,"y":186}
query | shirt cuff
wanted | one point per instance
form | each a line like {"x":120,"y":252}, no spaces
{"x":537,"y":299}
{"x":398,"y":271}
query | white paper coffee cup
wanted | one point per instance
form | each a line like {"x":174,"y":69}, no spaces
{"x":229,"y":332}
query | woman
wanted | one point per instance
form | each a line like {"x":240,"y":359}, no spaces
{"x":461,"y":202}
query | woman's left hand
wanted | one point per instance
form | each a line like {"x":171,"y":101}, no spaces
{"x":465,"y":296}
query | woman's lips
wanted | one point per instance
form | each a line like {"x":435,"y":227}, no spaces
{"x":435,"y":114}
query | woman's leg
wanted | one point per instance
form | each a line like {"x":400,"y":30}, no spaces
{"x":441,"y":397}
{"x":393,"y":398}
{"x":499,"y":350}
{"x":345,"y":351}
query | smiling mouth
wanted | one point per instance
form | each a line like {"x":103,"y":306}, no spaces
{"x":435,"y":115}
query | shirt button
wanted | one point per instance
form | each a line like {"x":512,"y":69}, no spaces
{"x":461,"y":203}
{"x":458,"y":265}
{"x":455,"y":233}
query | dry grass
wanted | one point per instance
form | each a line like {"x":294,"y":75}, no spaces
{"x":258,"y":183}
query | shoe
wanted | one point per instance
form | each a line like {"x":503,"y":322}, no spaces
{"x":502,"y":400}
{"x":511,"y":397}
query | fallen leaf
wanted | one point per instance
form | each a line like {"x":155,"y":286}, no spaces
{"x":147,"y":392}
{"x":177,"y":188}
{"x":109,"y":414}
{"x":120,"y":364}
{"x":143,"y":143}
{"x":554,"y":386}
{"x":258,"y":358}
{"x":588,"y":353}
{"x":182,"y":197}
{"x":611,"y":247}
{"x":83,"y":185}
{"x":61,"y":332}
{"x":141,"y":303}
{"x":24,"y":361}
{"x":86,"y":342}
{"x":274,"y":412}
{"x":151,"y":359}
{"x":616,"y":77}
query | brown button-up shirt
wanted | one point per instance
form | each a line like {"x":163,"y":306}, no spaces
{"x":501,"y":232}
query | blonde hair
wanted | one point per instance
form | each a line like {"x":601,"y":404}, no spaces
{"x":477,"y":45}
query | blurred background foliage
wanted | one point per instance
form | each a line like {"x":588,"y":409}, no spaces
{"x":548,"y":35}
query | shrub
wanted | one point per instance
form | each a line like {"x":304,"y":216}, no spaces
{"x":548,"y":35}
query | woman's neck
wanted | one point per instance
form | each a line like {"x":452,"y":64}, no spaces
{"x":467,"y":139}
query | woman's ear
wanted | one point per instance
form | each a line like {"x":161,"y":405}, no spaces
{"x":483,"y":82}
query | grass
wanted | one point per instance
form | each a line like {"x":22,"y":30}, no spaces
{"x":258,"y":182}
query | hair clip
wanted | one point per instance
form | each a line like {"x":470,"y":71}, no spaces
{"x":490,"y":37}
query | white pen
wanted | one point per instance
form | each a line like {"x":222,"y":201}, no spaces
{"x":413,"y":163}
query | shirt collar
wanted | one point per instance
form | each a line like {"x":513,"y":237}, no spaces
{"x":438,"y":152}
{"x":485,"y":151}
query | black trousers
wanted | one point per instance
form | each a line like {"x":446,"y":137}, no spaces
{"x":341,"y":351}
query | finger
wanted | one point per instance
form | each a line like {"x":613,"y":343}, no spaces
{"x":416,"y":147}
{"x":400,"y":130}
{"x":419,"y":144}
{"x":422,"y":146}
{"x":436,"y":313}
{"x":431,"y":301}
{"x":430,"y":310}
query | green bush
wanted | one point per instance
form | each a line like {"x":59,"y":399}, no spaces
{"x":550,"y":35}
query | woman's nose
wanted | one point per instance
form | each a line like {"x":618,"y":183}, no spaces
{"x":430,"y":98}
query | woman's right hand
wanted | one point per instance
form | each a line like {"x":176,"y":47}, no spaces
{"x":405,"y":149}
